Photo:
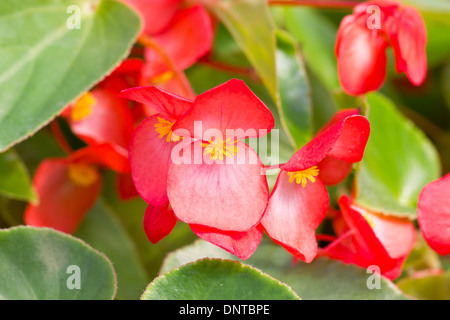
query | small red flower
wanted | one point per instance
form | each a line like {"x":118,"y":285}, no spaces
{"x":68,"y":187}
{"x":185,"y":34}
{"x":299,"y":201}
{"x":433,"y":214}
{"x":361,"y":46}
{"x":367,"y":238}
{"x":221,"y":198}
{"x":222,"y":186}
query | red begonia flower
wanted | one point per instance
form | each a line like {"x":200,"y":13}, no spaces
{"x":361,"y":47}
{"x":155,"y":14}
{"x":159,"y":221}
{"x":371,"y":238}
{"x":188,"y":37}
{"x":240,"y":244}
{"x":222,"y":185}
{"x":297,"y":206}
{"x":68,"y":187}
{"x":433,"y":214}
{"x":99,"y":116}
{"x":153,"y":140}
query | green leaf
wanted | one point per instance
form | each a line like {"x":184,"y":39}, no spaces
{"x":295,"y":96}
{"x":432,"y":287}
{"x":104,"y":232}
{"x":45,"y":65}
{"x":398,"y":161}
{"x":322,"y":279}
{"x":327,"y":279}
{"x":15,"y":181}
{"x":35,"y":264}
{"x":217,"y":279}
{"x":251,"y":25}
{"x":316,"y":35}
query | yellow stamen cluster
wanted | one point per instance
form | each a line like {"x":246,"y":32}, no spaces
{"x":83,"y":175}
{"x":304,"y":175}
{"x":164,"y":127}
{"x":218,"y":148}
{"x":82,"y":107}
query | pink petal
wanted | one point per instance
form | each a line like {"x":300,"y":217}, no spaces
{"x":150,"y":158}
{"x":241,"y":244}
{"x":433,"y":214}
{"x":231,"y":106}
{"x":159,"y":221}
{"x":228,"y":196}
{"x":293,"y":214}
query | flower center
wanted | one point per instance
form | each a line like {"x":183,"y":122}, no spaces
{"x":304,"y":175}
{"x":218,"y":148}
{"x":164,"y":127}
{"x":83,"y":175}
{"x":82,"y":107}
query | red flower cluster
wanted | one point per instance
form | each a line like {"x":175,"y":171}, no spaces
{"x":106,"y":122}
{"x":364,"y":36}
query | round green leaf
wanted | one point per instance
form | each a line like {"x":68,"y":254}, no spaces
{"x":217,"y":279}
{"x":44,"y":264}
{"x":51,"y":51}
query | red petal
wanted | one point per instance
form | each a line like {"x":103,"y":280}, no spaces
{"x":409,"y":43}
{"x":378,"y":240}
{"x":110,"y":121}
{"x":241,"y":244}
{"x":150,"y":158}
{"x":333,"y":171}
{"x":293,"y":214}
{"x":188,"y":37}
{"x":345,"y":140}
{"x":168,"y":104}
{"x":125,"y":186}
{"x":433,"y":214}
{"x":231,"y":106}
{"x":159,"y":221}
{"x":361,"y":55}
{"x":156,"y":14}
{"x":62,"y":203}
{"x":225,"y":196}
{"x":126,"y":75}
{"x":105,"y":155}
